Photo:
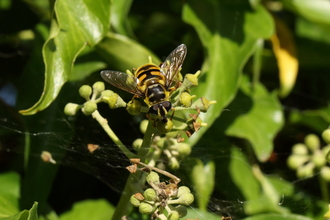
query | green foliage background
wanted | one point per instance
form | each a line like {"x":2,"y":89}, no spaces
{"x":49,"y":49}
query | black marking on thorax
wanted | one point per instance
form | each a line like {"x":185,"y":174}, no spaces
{"x":155,"y":93}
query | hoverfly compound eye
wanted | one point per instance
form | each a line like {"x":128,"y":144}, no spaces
{"x":167,"y":105}
{"x":153,"y":110}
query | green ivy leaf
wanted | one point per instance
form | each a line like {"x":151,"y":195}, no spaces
{"x":31,"y":214}
{"x":228,"y":32}
{"x":258,"y":190}
{"x":278,"y":217}
{"x":260,"y":119}
{"x":78,"y":24}
{"x":9,"y":193}
{"x":316,"y":11}
{"x":119,"y":20}
{"x":203,"y":179}
{"x":124,"y":53}
{"x":89,"y":209}
{"x":200,"y":214}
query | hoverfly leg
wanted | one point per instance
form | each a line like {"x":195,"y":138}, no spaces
{"x":173,"y":110}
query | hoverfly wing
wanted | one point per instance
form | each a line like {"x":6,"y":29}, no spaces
{"x":122,"y":81}
{"x":173,"y":63}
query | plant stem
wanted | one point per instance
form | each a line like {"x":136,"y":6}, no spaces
{"x":324,"y":189}
{"x":104,"y":123}
{"x":133,"y":183}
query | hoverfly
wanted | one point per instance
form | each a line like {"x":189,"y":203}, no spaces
{"x":151,"y":82}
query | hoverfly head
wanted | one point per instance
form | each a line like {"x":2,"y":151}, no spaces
{"x":161,"y":109}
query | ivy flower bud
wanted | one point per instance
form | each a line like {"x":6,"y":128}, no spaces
{"x":71,"y":109}
{"x":137,"y":143}
{"x":326,"y":136}
{"x":325,"y":173}
{"x":105,"y":95}
{"x":312,"y":142}
{"x":306,"y":170}
{"x":300,"y":149}
{"x":164,"y":128}
{"x":161,"y":143}
{"x":185,"y":99}
{"x":319,"y":158}
{"x":98,"y":87}
{"x":202,"y":104}
{"x":85,"y":91}
{"x":89,"y":107}
{"x":325,"y":151}
{"x":191,"y":80}
{"x":162,"y":217}
{"x":184,"y":149}
{"x":145,"y":208}
{"x":174,"y":163}
{"x":294,"y":161}
{"x":115,"y":101}
{"x":135,"y":201}
{"x":182,"y":210}
{"x":143,"y":126}
{"x":134,"y":107}
{"x":186,"y":199}
{"x":173,"y":216}
{"x":150,"y":194}
{"x":182,"y":190}
{"x":152,"y":177}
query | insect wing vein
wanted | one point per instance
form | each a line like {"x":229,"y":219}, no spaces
{"x":122,"y":81}
{"x":173,"y":63}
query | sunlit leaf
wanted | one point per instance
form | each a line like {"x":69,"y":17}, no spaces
{"x":256,"y":188}
{"x":124,"y":53}
{"x":33,"y":212}
{"x":78,"y":24}
{"x":316,"y":10}
{"x":260,"y":119}
{"x":228,"y":33}
{"x":9,"y":194}
{"x":199,"y":214}
{"x":119,"y":20}
{"x":81,"y":70}
{"x":278,"y":217}
{"x":89,"y":209}
{"x":285,"y":51}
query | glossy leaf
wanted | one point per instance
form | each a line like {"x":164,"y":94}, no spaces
{"x":202,"y":177}
{"x":78,"y":24}
{"x":259,"y":192}
{"x":316,"y":11}
{"x":260,"y":120}
{"x":316,"y":119}
{"x":82,"y":70}
{"x":200,"y":214}
{"x":124,"y":53}
{"x":278,"y":217}
{"x":25,"y":214}
{"x":228,"y":33}
{"x":119,"y":20}
{"x":89,"y":209}
{"x":9,"y":194}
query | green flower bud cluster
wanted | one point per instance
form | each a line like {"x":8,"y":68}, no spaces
{"x":167,"y":149}
{"x":164,"y":201}
{"x":172,"y":151}
{"x":308,"y":158}
{"x":94,"y":95}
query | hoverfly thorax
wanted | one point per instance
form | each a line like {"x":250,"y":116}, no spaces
{"x":151,"y":82}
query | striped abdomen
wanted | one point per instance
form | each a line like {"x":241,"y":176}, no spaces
{"x":151,"y":82}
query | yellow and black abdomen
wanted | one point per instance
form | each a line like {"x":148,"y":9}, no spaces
{"x":151,"y":82}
